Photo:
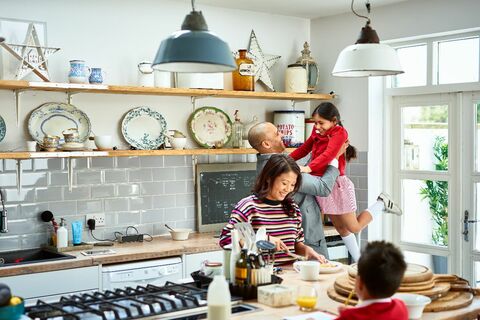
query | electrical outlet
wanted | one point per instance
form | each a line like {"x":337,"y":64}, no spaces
{"x":98,"y":217}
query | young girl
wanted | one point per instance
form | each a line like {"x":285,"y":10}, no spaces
{"x":327,"y":137}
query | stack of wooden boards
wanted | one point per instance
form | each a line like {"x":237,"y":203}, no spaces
{"x":448,"y":292}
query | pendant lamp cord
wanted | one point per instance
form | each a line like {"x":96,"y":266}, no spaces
{"x":367,"y":4}
{"x":193,"y":5}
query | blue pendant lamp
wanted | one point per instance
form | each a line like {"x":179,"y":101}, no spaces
{"x":194,"y":49}
{"x":367,"y":57}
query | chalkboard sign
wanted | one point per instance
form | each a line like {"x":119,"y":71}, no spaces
{"x":219,"y":188}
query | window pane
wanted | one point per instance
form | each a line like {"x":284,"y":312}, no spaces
{"x":425,"y":138}
{"x":458,"y":61}
{"x":414,"y":63}
{"x":425,"y":212}
{"x":474,"y":216}
{"x":476,"y":274}
{"x":439,"y":264}
{"x":477,"y":141}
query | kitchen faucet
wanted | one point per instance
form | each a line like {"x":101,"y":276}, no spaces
{"x":3,"y":221}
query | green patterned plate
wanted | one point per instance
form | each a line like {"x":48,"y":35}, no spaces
{"x":144,"y":128}
{"x":209,"y":125}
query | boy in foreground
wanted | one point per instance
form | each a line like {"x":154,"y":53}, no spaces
{"x":380,"y":271}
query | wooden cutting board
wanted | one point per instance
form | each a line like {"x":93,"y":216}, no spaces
{"x":414,"y":273}
{"x":343,"y":286}
{"x":459,"y":300}
{"x":406,"y":287}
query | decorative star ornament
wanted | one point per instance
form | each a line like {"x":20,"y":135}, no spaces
{"x":263,"y":62}
{"x":32,"y":56}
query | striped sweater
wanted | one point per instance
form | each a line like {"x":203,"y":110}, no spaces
{"x":271,"y":215}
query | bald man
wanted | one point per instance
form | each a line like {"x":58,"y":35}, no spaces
{"x":267,"y":140}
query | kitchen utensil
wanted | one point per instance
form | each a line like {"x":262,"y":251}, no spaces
{"x":167,"y":226}
{"x":180,"y":234}
{"x":296,"y":256}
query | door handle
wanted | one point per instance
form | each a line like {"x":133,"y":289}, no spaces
{"x":466,"y":222}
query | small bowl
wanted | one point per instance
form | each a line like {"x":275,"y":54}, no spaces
{"x":9,"y":312}
{"x":415,"y":303}
{"x":103,"y":142}
{"x":180,"y":234}
{"x":178,"y":143}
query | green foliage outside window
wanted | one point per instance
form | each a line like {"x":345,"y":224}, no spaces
{"x":437,"y":194}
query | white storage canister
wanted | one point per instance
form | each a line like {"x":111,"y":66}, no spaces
{"x":296,"y":78}
{"x":309,"y":124}
{"x":291,"y":123}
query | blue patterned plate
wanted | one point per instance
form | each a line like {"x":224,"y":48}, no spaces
{"x":144,"y":128}
{"x":53,"y":117}
{"x":3,"y":129}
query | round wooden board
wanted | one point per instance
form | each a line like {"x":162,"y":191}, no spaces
{"x":445,"y":303}
{"x":406,"y":287}
{"x":414,"y":273}
{"x":343,"y":287}
{"x":452,"y":301}
{"x":339,"y":298}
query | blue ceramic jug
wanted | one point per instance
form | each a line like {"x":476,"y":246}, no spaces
{"x":96,"y":76}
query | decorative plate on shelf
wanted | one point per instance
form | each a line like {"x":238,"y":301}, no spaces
{"x":53,"y":117}
{"x":144,"y":128}
{"x":210,"y":126}
{"x":3,"y":129}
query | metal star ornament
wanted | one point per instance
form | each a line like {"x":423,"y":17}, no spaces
{"x":32,"y":56}
{"x":263,"y":62}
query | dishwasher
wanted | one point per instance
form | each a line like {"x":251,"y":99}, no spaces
{"x":155,"y":272}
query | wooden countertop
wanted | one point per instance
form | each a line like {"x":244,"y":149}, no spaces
{"x":324,"y":303}
{"x":159,"y":247}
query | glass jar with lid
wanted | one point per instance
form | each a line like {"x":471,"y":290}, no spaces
{"x":296,"y":78}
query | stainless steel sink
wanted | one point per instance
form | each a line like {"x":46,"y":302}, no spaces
{"x":11,"y":258}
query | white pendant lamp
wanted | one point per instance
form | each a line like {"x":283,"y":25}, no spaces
{"x":367,"y":57}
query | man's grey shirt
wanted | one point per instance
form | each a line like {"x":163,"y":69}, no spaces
{"x":305,"y":198}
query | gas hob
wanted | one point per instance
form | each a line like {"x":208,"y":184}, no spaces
{"x":171,"y":301}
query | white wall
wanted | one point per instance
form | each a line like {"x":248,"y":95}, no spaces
{"x":117,"y":35}
{"x":412,"y":18}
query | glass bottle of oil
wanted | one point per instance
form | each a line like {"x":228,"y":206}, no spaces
{"x":241,"y":269}
{"x":244,"y":77}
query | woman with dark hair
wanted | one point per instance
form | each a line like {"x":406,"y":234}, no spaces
{"x":271,"y":206}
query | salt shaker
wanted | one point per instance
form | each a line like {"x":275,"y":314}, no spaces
{"x":145,"y":74}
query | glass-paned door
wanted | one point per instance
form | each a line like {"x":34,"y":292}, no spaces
{"x":423,"y":129}
{"x":471,"y":187}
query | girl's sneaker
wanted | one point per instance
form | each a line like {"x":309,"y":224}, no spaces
{"x":390,"y":206}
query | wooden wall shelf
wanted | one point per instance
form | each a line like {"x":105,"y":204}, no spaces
{"x":112,"y":89}
{"x":23,"y":155}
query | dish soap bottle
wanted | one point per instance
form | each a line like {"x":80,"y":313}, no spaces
{"x":244,"y":77}
{"x":218,"y":299}
{"x":62,"y":235}
{"x":237,"y":132}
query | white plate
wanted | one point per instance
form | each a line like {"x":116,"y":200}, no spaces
{"x":53,"y":117}
{"x":331,"y":267}
{"x":144,"y":128}
{"x":209,"y":125}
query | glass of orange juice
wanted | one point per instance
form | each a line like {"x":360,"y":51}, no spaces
{"x":306,"y":298}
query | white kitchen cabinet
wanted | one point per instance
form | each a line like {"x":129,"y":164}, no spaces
{"x":193,"y":262}
{"x":49,"y":286}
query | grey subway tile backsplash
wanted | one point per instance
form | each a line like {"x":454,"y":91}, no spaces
{"x":144,"y":192}
{"x":159,"y":174}
{"x":114,"y":176}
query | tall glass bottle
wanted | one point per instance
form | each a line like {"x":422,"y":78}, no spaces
{"x":237,"y":132}
{"x":241,"y":269}
{"x":244,"y":77}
